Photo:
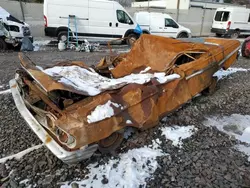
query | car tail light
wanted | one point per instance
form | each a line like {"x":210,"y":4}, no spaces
{"x":45,"y":21}
{"x":228,"y":25}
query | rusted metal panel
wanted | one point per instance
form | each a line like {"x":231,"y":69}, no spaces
{"x":139,"y":105}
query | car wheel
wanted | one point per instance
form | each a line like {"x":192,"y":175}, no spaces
{"x":111,"y":143}
{"x":62,"y":36}
{"x":183,"y":35}
{"x":235,"y":34}
{"x":131,"y":39}
{"x":218,"y":35}
{"x":3,"y":45}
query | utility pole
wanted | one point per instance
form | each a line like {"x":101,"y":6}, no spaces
{"x":178,"y":10}
{"x":21,"y":5}
{"x":203,"y":17}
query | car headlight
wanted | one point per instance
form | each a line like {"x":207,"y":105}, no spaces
{"x":66,"y":138}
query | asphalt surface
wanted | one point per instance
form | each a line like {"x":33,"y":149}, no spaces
{"x":207,"y":159}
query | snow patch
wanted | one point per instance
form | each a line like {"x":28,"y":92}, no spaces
{"x":145,"y":70}
{"x":25,"y":182}
{"x":244,"y":149}
{"x":20,"y":154}
{"x":122,"y":51}
{"x":93,"y":84}
{"x":39,"y":67}
{"x":236,"y":125}
{"x":128,"y":122}
{"x":130,"y":170}
{"x":176,"y":133}
{"x":41,"y":42}
{"x":160,"y":76}
{"x":102,"y":112}
{"x":156,"y":144}
{"x":5,"y":92}
{"x":37,"y":44}
{"x":224,"y":73}
{"x":128,"y":132}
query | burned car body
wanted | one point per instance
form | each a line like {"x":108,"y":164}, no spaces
{"x":76,"y":109}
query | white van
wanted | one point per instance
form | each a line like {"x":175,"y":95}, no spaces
{"x":160,"y":24}
{"x":13,"y":30}
{"x":96,"y":19}
{"x":231,"y":21}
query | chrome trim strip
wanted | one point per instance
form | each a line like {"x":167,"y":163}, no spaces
{"x":220,"y":64}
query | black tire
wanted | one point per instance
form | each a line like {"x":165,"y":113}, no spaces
{"x":131,"y":39}
{"x":63,"y":36}
{"x":235,"y":34}
{"x":218,"y":35}
{"x":183,"y":35}
{"x":3,"y":45}
{"x":116,"y":140}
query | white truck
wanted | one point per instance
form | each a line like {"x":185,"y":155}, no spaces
{"x":12,"y":30}
{"x":96,"y":19}
{"x":160,"y":24}
{"x":231,"y":21}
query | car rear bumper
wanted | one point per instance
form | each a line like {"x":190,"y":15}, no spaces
{"x":222,"y":31}
{"x":219,"y":31}
{"x":64,"y":155}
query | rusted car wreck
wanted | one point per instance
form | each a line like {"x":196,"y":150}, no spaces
{"x":76,"y":109}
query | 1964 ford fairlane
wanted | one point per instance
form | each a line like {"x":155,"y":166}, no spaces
{"x":76,"y":109}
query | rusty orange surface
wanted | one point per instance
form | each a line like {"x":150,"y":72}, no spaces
{"x":142,"y":105}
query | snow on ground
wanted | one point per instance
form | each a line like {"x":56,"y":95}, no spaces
{"x":223,"y":73}
{"x":156,"y":144}
{"x":177,"y":133}
{"x":41,"y":42}
{"x":102,"y":112}
{"x":128,"y":132}
{"x":130,"y":170}
{"x":93,"y":84}
{"x":37,"y":44}
{"x":236,"y":125}
{"x":5,"y":91}
{"x":20,"y":154}
{"x":25,"y":183}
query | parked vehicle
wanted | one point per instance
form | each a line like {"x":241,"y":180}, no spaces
{"x":160,"y":24}
{"x":12,"y":30}
{"x":96,"y":19}
{"x":231,"y":21}
{"x":245,"y":48}
{"x":75,"y":109}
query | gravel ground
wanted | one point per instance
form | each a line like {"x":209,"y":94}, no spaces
{"x":207,"y":159}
